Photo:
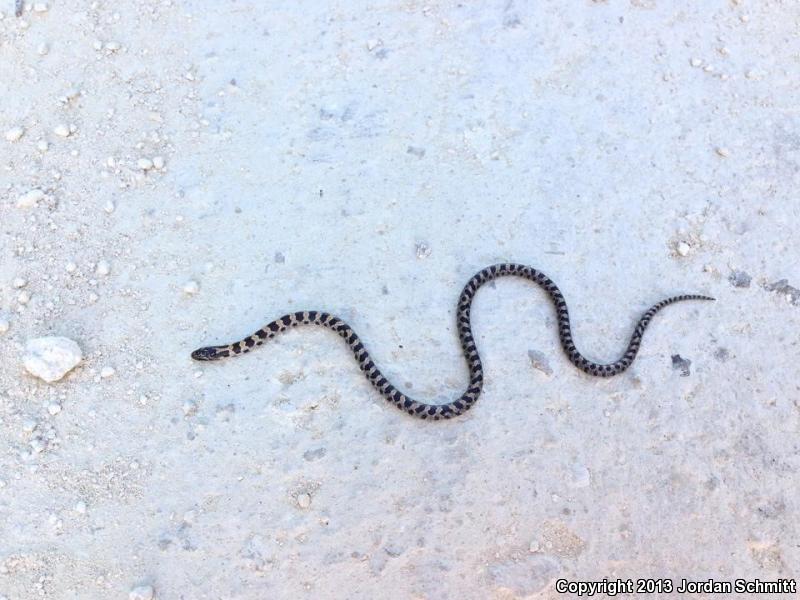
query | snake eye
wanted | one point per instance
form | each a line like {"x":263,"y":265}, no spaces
{"x":207,"y":353}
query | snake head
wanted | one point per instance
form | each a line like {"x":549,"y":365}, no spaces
{"x":206,"y":353}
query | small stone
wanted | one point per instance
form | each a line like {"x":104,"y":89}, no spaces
{"x":581,"y":477}
{"x":62,"y":130}
{"x":740,"y":279}
{"x":189,"y":408}
{"x":52,"y":357}
{"x":24,"y":297}
{"x":53,"y":408}
{"x":42,"y":145}
{"x":4,"y":325}
{"x":107,"y":372}
{"x":142,"y":592}
{"x":80,"y":507}
{"x":158,"y":162}
{"x":539,"y":361}
{"x":109,"y":207}
{"x":30,"y":199}
{"x":683,"y":248}
{"x":42,"y":49}
{"x":303,"y":500}
{"x":14,"y":134}
{"x":696,"y":62}
{"x":145,"y":164}
{"x":70,"y":267}
{"x":416,"y":151}
{"x":423,"y":250}
{"x":533,"y":546}
{"x":191,"y":288}
{"x":723,"y":152}
{"x":19,"y":282}
{"x":372,"y":44}
{"x":103,"y":268}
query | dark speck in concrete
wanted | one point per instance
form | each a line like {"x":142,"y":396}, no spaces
{"x":681,"y":364}
{"x":740,"y":279}
{"x":772,"y":509}
{"x":280,"y":258}
{"x":316,"y":454}
{"x":782,"y":287}
{"x":418,"y":152}
{"x":722,"y":354}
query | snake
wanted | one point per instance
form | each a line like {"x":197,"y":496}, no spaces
{"x":466,"y":401}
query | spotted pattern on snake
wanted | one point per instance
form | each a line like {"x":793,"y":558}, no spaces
{"x":467,"y":400}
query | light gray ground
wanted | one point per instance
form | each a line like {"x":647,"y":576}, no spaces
{"x":367,"y":158}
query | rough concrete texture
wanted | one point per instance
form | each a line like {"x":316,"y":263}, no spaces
{"x":207,"y":166}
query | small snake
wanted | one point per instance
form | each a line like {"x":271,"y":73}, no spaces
{"x":435,"y":412}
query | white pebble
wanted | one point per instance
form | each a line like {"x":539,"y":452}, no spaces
{"x":14,"y":134}
{"x":50,"y":358}
{"x":189,"y":408}
{"x":71,"y":267}
{"x":30,"y":199}
{"x":695,"y":62}
{"x":19,"y":282}
{"x":80,"y":507}
{"x":54,"y":408}
{"x":93,"y":298}
{"x":4,"y":325}
{"x":303,"y":500}
{"x":113,"y":46}
{"x":42,"y":49}
{"x":109,"y":207}
{"x":29,"y":425}
{"x":158,"y":162}
{"x":145,"y":164}
{"x":62,"y":130}
{"x":683,"y":249}
{"x":107,"y":372}
{"x":42,"y":145}
{"x":723,"y":152}
{"x":191,"y":288}
{"x":24,"y":297}
{"x":142,"y":592}
{"x":103,"y":268}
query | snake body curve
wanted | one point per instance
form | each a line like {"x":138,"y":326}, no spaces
{"x":466,"y":401}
